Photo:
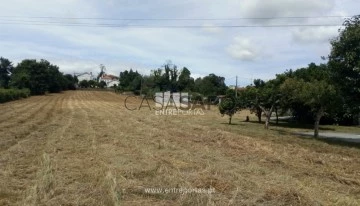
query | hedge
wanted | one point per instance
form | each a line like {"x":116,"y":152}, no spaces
{"x":7,"y":95}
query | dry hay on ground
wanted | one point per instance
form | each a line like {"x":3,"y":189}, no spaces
{"x":86,"y":148}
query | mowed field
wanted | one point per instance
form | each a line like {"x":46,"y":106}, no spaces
{"x":86,"y":148}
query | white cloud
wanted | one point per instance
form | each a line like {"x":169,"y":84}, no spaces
{"x":286,"y":8}
{"x":314,"y":35}
{"x":203,"y":50}
{"x":242,"y":48}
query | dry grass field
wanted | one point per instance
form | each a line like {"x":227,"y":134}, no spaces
{"x":86,"y":148}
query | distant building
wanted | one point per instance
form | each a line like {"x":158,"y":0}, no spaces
{"x":110,"y":80}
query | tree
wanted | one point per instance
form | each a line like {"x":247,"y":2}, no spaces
{"x":229,"y":105}
{"x":211,"y":85}
{"x":319,"y":96}
{"x":263,"y":97}
{"x":55,"y":79}
{"x":344,"y":62}
{"x":311,"y":73}
{"x":251,"y":98}
{"x":38,"y":76}
{"x":250,"y":101}
{"x":166,"y":79}
{"x":70,"y":82}
{"x":269,"y":96}
{"x":84,"y":84}
{"x":102,"y":84}
{"x":130,"y":81}
{"x":6,"y":69}
{"x":156,"y":77}
{"x":92,"y":83}
{"x":185,"y":82}
{"x":149,"y":86}
{"x":173,"y":74}
{"x":31,"y":74}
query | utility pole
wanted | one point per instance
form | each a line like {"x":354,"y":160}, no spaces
{"x":236,"y":86}
{"x":141,"y":85}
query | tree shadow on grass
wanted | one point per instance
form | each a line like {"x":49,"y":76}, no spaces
{"x":344,"y":142}
{"x":340,"y":142}
{"x":292,"y":125}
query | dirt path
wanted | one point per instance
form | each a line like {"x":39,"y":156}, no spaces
{"x":85,"y":148}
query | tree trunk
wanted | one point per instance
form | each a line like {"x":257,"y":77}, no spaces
{"x":230,"y":119}
{"x":277,"y":116}
{"x":267,"y":122}
{"x":316,"y":128}
{"x":258,"y":114}
{"x":268,"y":115}
{"x":319,"y":114}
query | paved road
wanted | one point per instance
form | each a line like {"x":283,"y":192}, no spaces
{"x":336,"y":136}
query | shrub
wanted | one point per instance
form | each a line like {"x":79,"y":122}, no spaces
{"x":7,"y":95}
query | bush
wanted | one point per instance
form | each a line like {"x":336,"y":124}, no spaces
{"x":7,"y":95}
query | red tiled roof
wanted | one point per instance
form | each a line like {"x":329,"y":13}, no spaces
{"x":109,"y":77}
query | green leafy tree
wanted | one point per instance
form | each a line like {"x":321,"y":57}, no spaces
{"x":31,"y":74}
{"x":156,"y":77}
{"x":166,"y":79}
{"x":311,"y":73}
{"x":344,"y":62}
{"x":70,"y":82}
{"x":269,"y":97}
{"x":319,"y":96}
{"x":102,"y":84}
{"x":251,"y":98}
{"x":55,"y":79}
{"x":93,"y":84}
{"x":229,"y":105}
{"x":130,"y":81}
{"x":263,"y":97}
{"x":148,"y":85}
{"x":84,"y":84}
{"x":211,"y":85}
{"x":250,"y":101}
{"x":185,"y":82}
{"x":38,"y":76}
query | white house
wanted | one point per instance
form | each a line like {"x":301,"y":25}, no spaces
{"x":110,"y":80}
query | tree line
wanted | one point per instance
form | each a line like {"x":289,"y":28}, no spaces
{"x":170,"y":78}
{"x":328,"y":92}
{"x":92,"y":84}
{"x":38,"y":77}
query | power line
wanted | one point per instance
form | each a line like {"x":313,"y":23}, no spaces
{"x":172,"y":19}
{"x":61,"y":21}
{"x":164,"y":26}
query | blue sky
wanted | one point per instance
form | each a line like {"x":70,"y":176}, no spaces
{"x":246,"y":52}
